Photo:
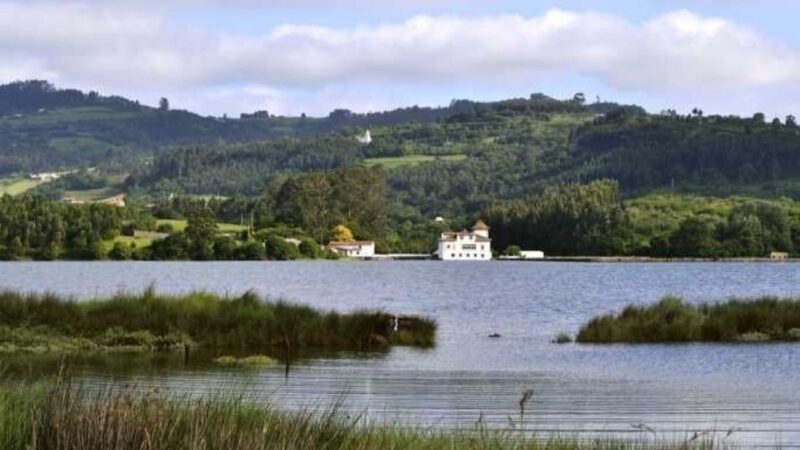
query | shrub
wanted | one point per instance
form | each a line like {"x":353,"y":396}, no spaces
{"x":250,"y":251}
{"x":309,"y":248}
{"x":278,"y":249}
{"x":120,"y":252}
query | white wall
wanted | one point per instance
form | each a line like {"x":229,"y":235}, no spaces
{"x":531,"y":254}
{"x":461,"y":249}
{"x":363,"y":250}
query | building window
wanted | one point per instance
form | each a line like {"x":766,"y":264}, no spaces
{"x":469,"y":247}
{"x":452,"y":255}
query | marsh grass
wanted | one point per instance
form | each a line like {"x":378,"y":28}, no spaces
{"x":672,"y":320}
{"x":158,"y":322}
{"x":58,"y":416}
{"x":562,"y":338}
{"x":249,"y":361}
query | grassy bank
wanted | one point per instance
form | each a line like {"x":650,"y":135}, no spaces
{"x":59,"y":417}
{"x":672,"y":320}
{"x":149,"y":321}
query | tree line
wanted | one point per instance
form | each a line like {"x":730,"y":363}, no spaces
{"x":591,"y":219}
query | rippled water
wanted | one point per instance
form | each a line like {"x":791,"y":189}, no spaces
{"x":577,"y":388}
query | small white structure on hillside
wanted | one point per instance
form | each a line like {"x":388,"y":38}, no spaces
{"x":354,"y":249}
{"x":117,"y":200}
{"x":474,"y":245}
{"x":46,"y":177}
{"x":365,"y":138}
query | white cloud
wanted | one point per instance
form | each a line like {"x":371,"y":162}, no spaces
{"x":124,"y":50}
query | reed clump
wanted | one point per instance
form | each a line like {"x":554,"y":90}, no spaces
{"x":57,"y":416}
{"x":766,"y":319}
{"x":149,"y":321}
{"x":249,"y":361}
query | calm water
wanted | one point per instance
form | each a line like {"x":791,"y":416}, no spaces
{"x":577,"y":388}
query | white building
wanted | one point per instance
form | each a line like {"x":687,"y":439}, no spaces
{"x":354,"y":249}
{"x":531,"y":254}
{"x":365,"y":138}
{"x":474,"y":245}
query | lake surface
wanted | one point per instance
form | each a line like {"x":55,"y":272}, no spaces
{"x":578,"y":389}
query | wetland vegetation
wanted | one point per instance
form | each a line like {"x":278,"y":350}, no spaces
{"x":149,"y":321}
{"x":673,"y":320}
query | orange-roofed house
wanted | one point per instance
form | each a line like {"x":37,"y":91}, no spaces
{"x":353,"y":249}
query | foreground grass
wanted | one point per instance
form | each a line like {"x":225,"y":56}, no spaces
{"x":148,"y":321}
{"x":56,"y":416}
{"x":672,"y":320}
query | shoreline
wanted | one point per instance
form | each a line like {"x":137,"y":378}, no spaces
{"x":390,"y":258}
{"x":650,"y":259}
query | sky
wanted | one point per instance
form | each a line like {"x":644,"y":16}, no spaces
{"x":290,"y":57}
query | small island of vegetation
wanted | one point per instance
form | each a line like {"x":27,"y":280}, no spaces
{"x":150,"y":322}
{"x":672,"y":320}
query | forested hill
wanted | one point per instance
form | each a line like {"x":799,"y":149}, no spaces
{"x":692,"y":153}
{"x":452,"y":161}
{"x":508,"y":151}
{"x":46,"y":128}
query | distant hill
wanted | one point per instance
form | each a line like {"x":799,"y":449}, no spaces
{"x":508,"y":150}
{"x":453,"y":160}
{"x":718,"y":155}
{"x":46,"y":128}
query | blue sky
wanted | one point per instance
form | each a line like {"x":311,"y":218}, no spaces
{"x":226,"y":57}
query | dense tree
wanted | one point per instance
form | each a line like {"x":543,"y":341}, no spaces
{"x":566,"y":220}
{"x":695,"y":237}
{"x":278,"y":249}
{"x":353,"y":197}
{"x":201,"y":232}
{"x":35,"y":227}
{"x":120,"y":252}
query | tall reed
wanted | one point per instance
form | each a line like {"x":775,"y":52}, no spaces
{"x":58,"y":416}
{"x":247,"y":321}
{"x":673,"y":320}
